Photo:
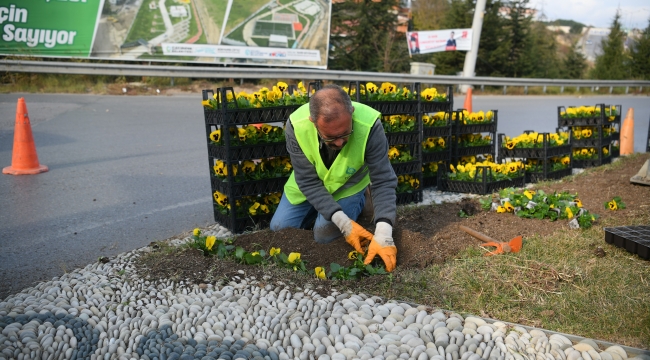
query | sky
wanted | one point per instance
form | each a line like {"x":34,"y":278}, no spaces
{"x":598,"y":13}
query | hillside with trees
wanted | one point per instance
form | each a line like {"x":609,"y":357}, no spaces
{"x":512,"y":44}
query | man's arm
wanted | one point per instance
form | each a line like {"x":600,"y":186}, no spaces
{"x":382,"y":177}
{"x":307,"y":179}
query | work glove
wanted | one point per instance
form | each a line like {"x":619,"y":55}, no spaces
{"x":355,"y":234}
{"x":382,"y":244}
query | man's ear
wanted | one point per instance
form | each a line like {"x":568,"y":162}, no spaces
{"x":352,"y":111}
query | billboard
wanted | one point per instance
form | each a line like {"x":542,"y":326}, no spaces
{"x":423,"y":42}
{"x":256,"y":32}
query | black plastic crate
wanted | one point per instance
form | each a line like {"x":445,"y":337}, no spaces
{"x":647,"y":148}
{"x":394,"y":107}
{"x":481,"y":186}
{"x":459,"y":128}
{"x":533,"y":177}
{"x":248,"y":188}
{"x":472,"y":150}
{"x":248,"y":152}
{"x":241,"y":224}
{"x":583,"y":164}
{"x":430,"y":131}
{"x":601,"y":119}
{"x":443,"y":155}
{"x":405,"y":137}
{"x":408,"y":198}
{"x":431,"y":106}
{"x":595,"y":142}
{"x":634,"y":239}
{"x":429,"y":181}
{"x":408,"y":167}
{"x":543,"y":152}
{"x":238,"y":116}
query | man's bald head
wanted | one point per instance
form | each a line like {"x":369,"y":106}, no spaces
{"x":329,"y":103}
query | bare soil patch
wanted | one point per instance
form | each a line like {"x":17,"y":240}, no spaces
{"x":424,"y":235}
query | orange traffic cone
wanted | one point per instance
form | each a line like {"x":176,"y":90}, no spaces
{"x":468,"y":100}
{"x":24,"y":160}
{"x":627,"y":134}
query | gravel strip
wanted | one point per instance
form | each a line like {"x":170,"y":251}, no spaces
{"x":105,"y":311}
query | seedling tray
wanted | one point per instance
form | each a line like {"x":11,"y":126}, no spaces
{"x":241,"y":224}
{"x":429,"y":181}
{"x":443,"y":155}
{"x":247,"y":152}
{"x":594,"y":142}
{"x":394,"y":107}
{"x":248,"y":188}
{"x":583,"y":164}
{"x":533,"y":177}
{"x":408,"y":167}
{"x":236,"y":116}
{"x":429,"y":131}
{"x":405,"y":137}
{"x":408,"y":198}
{"x":634,"y":239}
{"x":480,"y":186}
{"x":461,"y":129}
{"x":473,"y":150}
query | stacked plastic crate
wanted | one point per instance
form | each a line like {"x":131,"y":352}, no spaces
{"x":547,"y":157}
{"x":474,"y":134}
{"x":248,"y":159}
{"x":436,"y":144}
{"x":405,"y":149}
{"x":595,"y":132}
{"x":473,"y":140}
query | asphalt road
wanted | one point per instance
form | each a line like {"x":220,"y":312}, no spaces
{"x":125,"y":171}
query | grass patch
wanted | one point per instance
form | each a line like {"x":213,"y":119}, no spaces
{"x":556,"y":282}
{"x":143,"y":27}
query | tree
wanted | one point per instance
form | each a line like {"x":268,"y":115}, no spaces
{"x":541,"y":58}
{"x":429,"y":14}
{"x":575,"y":64}
{"x":518,"y":40}
{"x":364,"y":37}
{"x":640,"y":56}
{"x":611,"y":65}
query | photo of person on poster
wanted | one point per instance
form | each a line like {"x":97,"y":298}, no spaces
{"x":451,"y":43}
{"x":414,"y":43}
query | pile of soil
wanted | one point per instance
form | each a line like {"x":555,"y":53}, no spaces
{"x":424,"y":235}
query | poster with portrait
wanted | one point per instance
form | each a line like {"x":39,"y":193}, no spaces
{"x":424,"y":42}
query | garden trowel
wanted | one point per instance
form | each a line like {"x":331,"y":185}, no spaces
{"x":643,"y":176}
{"x":513,"y":245}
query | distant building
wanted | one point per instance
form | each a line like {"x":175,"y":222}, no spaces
{"x":278,"y":41}
{"x":178,"y":11}
{"x":505,"y":12}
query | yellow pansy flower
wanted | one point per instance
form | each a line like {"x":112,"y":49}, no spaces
{"x":205,"y":102}
{"x":255,"y":253}
{"x":320,"y":273}
{"x":293,"y":257}
{"x":612,"y":205}
{"x":253,"y":209}
{"x":353,"y":255}
{"x":372,"y":88}
{"x":501,"y":209}
{"x":529,"y":194}
{"x":274,"y":251}
{"x":248,"y":167}
{"x":215,"y":135}
{"x":578,"y":202}
{"x":196,"y":232}
{"x":282,"y":86}
{"x":209,"y":242}
{"x":393,"y":153}
{"x":569,"y":213}
{"x":508,"y":206}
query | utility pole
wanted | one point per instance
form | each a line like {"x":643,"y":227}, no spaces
{"x":472,"y":54}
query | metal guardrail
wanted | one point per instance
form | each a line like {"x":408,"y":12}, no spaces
{"x":215,"y":72}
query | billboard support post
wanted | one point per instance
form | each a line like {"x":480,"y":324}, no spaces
{"x":472,"y":54}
